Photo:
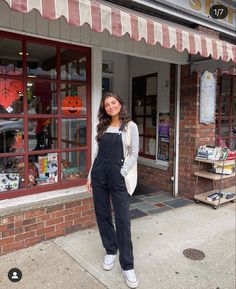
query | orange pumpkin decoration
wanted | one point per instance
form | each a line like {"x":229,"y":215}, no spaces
{"x":72,"y":105}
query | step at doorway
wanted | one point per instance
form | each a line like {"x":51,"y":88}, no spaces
{"x":143,"y":189}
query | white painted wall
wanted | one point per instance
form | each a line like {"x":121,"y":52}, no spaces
{"x":120,"y":76}
{"x":141,"y":66}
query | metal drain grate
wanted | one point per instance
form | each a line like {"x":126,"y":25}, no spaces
{"x":193,"y":254}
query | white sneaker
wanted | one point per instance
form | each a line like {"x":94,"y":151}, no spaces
{"x":108,"y":262}
{"x":130,"y":278}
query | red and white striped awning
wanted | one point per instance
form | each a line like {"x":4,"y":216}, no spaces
{"x":117,"y":20}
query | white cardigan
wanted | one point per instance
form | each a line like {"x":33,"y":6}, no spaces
{"x":130,"y":140}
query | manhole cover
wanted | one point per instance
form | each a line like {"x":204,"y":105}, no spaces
{"x":193,"y":254}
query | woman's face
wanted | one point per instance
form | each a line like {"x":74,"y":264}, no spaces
{"x":112,"y":106}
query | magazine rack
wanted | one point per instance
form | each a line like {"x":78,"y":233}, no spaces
{"x":214,"y":177}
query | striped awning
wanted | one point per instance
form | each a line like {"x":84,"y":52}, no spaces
{"x":118,"y":20}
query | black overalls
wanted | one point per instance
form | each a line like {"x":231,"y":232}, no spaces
{"x":107,"y":182}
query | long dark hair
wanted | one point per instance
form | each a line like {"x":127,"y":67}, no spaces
{"x":105,"y":120}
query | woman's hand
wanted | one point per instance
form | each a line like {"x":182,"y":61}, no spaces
{"x":89,"y":186}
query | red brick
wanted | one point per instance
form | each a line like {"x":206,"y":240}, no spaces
{"x":12,"y":247}
{"x":45,"y":230}
{"x":72,"y":217}
{"x":54,"y":209}
{"x":73,"y":204}
{"x":3,"y":228}
{"x":6,"y":241}
{"x":54,"y":221}
{"x":81,"y":220}
{"x":12,"y":232}
{"x":54,"y":234}
{"x":44,"y":217}
{"x":88,"y":212}
{"x":63,"y":213}
{"x":29,"y":221}
{"x":19,"y":224}
{"x":19,"y":217}
{"x":34,"y":240}
{"x":78,"y":209}
{"x":24,"y":236}
{"x":73,"y":228}
{"x":64,"y":225}
{"x":34,"y":227}
{"x":34,"y":213}
{"x":7,"y":220}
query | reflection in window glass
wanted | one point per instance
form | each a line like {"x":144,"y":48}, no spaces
{"x":41,"y":97}
{"x":42,"y":134}
{"x":73,"y":132}
{"x":74,"y":165}
{"x":11,"y":135}
{"x":43,"y":169}
{"x":11,"y":96}
{"x":10,"y":57}
{"x":225,"y":86}
{"x":41,"y":61}
{"x":12,"y":174}
{"x":73,"y":65}
{"x":73,"y":99}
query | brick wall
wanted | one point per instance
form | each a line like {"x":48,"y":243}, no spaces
{"x":192,"y":135}
{"x":155,"y":177}
{"x":27,"y":228}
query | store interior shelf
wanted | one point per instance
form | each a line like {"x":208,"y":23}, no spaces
{"x":213,"y":176}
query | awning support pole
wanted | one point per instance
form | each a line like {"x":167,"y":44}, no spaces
{"x":176,"y":141}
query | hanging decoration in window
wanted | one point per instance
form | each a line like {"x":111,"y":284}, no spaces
{"x":72,"y":105}
{"x":10,"y":90}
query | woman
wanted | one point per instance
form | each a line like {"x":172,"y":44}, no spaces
{"x":106,"y":181}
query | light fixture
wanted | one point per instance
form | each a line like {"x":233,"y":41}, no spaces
{"x":21,"y":53}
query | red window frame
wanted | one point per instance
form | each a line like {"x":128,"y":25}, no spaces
{"x":229,"y":116}
{"x":58,"y":45}
{"x":145,"y":135}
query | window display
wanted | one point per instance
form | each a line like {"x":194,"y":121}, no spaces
{"x":43,"y":115}
{"x":12,"y":175}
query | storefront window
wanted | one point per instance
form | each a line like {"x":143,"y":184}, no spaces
{"x":226,"y":112}
{"x":11,"y":57}
{"x":44,"y":121}
{"x":74,"y":165}
{"x":43,"y":169}
{"x":11,"y":91}
{"x":11,"y":135}
{"x":74,"y":132}
{"x":73,"y":66}
{"x":42,"y":97}
{"x":41,"y":61}
{"x":42,"y":134}
{"x":12,"y":174}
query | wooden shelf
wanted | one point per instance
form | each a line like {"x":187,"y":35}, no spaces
{"x":215,"y":204}
{"x":219,"y":163}
{"x":213,"y":176}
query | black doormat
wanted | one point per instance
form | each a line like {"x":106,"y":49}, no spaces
{"x":143,"y":189}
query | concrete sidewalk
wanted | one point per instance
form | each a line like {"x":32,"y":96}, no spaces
{"x":74,"y":261}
